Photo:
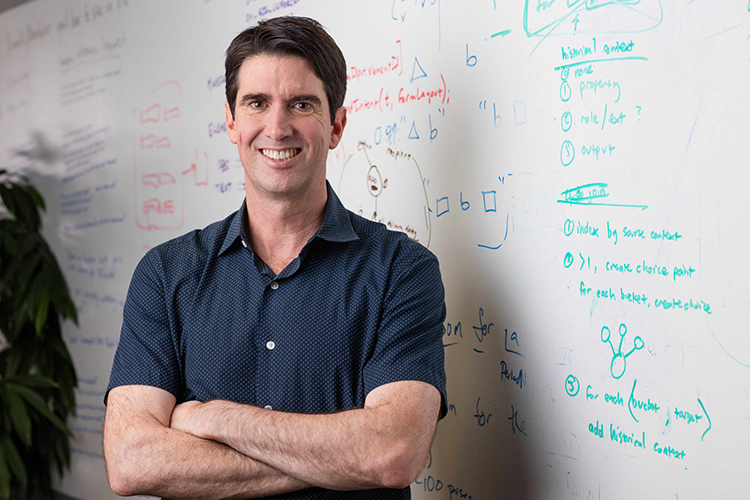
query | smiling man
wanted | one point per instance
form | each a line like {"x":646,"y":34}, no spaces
{"x":293,"y":349}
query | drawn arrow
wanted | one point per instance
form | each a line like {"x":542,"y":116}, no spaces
{"x":707,"y":418}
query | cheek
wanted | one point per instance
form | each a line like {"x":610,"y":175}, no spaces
{"x":320,"y":134}
{"x":247,"y":135}
{"x":246,"y":129}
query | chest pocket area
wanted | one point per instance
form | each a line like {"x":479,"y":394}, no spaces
{"x":316,"y":361}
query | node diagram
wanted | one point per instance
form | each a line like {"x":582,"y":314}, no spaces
{"x":618,"y":365}
{"x":396,"y":190}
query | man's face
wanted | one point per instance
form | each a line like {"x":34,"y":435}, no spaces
{"x":282,"y":125}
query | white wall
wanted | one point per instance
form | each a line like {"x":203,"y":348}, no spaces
{"x":552,"y":129}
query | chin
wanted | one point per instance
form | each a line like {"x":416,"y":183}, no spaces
{"x":283,"y":186}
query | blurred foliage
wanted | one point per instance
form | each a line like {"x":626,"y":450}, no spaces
{"x":37,"y":377}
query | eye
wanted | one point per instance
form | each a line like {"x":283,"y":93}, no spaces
{"x":303,"y":106}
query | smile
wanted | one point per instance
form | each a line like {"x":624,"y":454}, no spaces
{"x":280,"y":155}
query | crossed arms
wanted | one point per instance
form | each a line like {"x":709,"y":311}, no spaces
{"x":221,"y":449}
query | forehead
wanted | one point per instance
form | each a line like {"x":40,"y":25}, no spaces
{"x":278,"y":74}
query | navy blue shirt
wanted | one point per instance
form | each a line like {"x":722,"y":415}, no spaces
{"x":361,"y":306}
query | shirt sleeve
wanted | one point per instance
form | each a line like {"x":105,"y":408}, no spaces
{"x":410,"y":339}
{"x":147,"y":352}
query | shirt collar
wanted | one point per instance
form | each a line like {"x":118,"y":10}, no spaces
{"x":337,"y":226}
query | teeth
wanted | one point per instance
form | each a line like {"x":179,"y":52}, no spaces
{"x":282,"y":155}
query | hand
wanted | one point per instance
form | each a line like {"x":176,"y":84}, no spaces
{"x":187,"y":417}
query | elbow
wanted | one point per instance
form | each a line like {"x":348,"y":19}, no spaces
{"x":402,"y":466}
{"x":121,"y":482}
{"x":397,"y":480}
{"x":122,"y":474}
{"x":119,"y":486}
{"x":129,"y":477}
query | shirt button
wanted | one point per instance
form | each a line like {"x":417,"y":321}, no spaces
{"x":274,"y":285}
{"x":270,"y":345}
{"x":268,"y":407}
{"x":244,"y":244}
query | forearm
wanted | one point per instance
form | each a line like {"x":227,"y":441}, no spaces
{"x":384,"y":444}
{"x":159,"y":461}
{"x":336,"y":451}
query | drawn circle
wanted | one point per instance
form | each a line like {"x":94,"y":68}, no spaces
{"x":374,"y":181}
{"x":572,"y":386}
{"x":619,"y":370}
{"x":396,"y":193}
{"x":623,"y":329}
{"x":568,"y":260}
{"x":565,"y":92}
{"x":567,"y":121}
{"x":569,"y":227}
{"x":638,"y":343}
{"x":565,"y":73}
{"x":609,"y":333}
{"x":567,"y":153}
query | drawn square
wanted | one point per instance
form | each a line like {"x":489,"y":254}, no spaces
{"x":445,"y":208}
{"x":490,"y":201}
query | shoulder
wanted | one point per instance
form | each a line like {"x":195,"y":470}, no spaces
{"x":186,"y":253}
{"x":390,"y":247}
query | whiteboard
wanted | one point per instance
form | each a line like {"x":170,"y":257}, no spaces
{"x":578,"y":167}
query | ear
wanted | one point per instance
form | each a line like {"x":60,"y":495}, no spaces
{"x":337,"y":130}
{"x":231,"y":130}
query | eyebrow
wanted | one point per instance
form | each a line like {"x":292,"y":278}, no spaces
{"x":248,"y":98}
{"x":307,"y":97}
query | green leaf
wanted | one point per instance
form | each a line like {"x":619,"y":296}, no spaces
{"x":9,"y":242}
{"x":28,"y":261}
{"x":59,"y":347}
{"x":4,"y":478}
{"x":8,"y":199}
{"x":41,"y":313}
{"x":67,"y":308}
{"x":25,"y":208}
{"x":19,"y":416}
{"x":35,"y":400}
{"x":37,"y":198}
{"x":24,"y":264}
{"x":14,"y":460}
{"x":30,"y":305}
{"x":13,"y":360}
{"x":33,"y":381}
{"x":60,"y":292}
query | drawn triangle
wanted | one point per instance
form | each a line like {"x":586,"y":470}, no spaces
{"x":413,"y":132}
{"x":417,"y":72}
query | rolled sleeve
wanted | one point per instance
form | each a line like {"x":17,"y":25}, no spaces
{"x":146,"y":353}
{"x":409,"y":344}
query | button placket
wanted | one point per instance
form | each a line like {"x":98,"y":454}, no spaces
{"x":271,"y":345}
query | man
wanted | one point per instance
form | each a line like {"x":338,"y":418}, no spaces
{"x":294,"y":348}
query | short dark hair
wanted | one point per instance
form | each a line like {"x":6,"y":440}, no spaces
{"x":290,"y":36}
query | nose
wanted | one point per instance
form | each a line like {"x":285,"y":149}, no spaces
{"x":279,"y":123}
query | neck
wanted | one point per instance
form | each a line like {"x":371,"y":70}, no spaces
{"x":281,"y":226}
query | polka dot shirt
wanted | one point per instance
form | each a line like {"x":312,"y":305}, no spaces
{"x":361,"y":306}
